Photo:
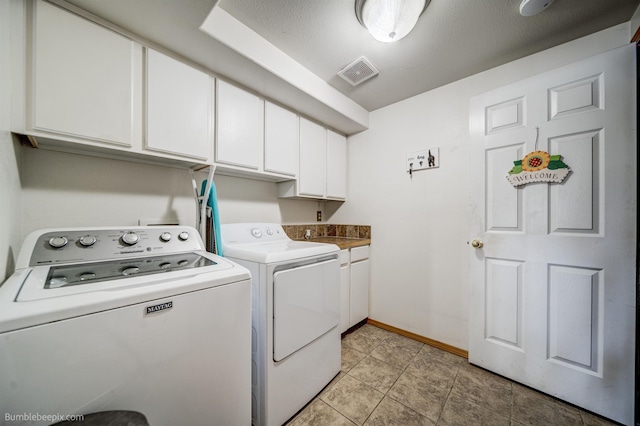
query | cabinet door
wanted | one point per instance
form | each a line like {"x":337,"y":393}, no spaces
{"x":344,"y":298}
{"x":336,"y":166}
{"x":239,"y":127}
{"x":82,"y":78}
{"x":179,"y":104}
{"x":313,"y":153}
{"x":359,"y":292}
{"x":281,"y":140}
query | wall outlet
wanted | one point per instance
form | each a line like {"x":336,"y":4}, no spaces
{"x":319,"y":216}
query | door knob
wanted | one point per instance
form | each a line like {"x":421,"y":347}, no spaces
{"x":477,"y":243}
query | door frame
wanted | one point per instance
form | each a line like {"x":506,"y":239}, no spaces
{"x":637,"y":386}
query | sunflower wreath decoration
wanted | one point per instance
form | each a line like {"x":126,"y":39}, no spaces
{"x":538,"y":166}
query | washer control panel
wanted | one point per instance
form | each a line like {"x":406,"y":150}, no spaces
{"x":56,"y":246}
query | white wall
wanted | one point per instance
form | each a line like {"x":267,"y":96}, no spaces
{"x":10,"y":237}
{"x":65,"y":190}
{"x":420,"y":230}
{"x":420,"y":225}
{"x":634,"y":23}
{"x":45,"y":189}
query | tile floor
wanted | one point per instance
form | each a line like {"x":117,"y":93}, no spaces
{"x":388,"y":379}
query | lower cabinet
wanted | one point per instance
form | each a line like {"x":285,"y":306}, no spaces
{"x":354,"y":286}
{"x":344,"y":289}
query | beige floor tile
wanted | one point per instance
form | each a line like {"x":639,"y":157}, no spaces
{"x":350,"y":357}
{"x":459,"y":411}
{"x":375,"y":373}
{"x":485,"y":389}
{"x":435,"y":386}
{"x":398,"y":356}
{"x":419,"y":395}
{"x":318,"y":413}
{"x":536,"y":409}
{"x":391,"y":413}
{"x":435,"y":372}
{"x":429,"y":352}
{"x":399,"y":340}
{"x":353,"y":399}
{"x":331,"y":383}
{"x":360,"y":342}
{"x":592,"y":420}
{"x":374,"y":332}
{"x":492,"y":379}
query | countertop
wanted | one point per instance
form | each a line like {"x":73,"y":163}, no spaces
{"x":342,"y":242}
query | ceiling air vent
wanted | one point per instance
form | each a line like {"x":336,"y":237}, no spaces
{"x":358,"y":71}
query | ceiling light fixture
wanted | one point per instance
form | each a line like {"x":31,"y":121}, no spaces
{"x":389,"y":20}
{"x":533,"y":7}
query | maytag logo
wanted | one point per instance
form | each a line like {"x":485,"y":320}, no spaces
{"x":159,"y":307}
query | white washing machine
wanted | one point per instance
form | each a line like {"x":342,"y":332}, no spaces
{"x":139,"y":319}
{"x":295,"y":316}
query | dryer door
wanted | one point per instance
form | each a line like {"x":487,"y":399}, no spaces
{"x":306,"y":304}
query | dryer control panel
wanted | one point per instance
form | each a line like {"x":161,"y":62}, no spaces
{"x":242,"y":233}
{"x":73,"y":245}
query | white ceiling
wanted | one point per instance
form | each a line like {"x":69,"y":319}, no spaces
{"x":452,"y":40}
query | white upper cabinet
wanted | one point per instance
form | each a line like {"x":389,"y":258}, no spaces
{"x":239,"y":127}
{"x":313,"y":158}
{"x":179,"y":102}
{"x":82,"y":78}
{"x":281,"y":140}
{"x":336,"y":166}
{"x":323,"y":165}
{"x":81,"y":86}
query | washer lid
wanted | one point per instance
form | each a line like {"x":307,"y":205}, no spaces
{"x":278,"y":251}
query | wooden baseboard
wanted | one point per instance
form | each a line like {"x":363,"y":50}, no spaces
{"x":421,"y":339}
{"x":636,"y":36}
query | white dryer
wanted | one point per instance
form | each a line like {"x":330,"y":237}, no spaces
{"x":295,"y":316}
{"x":137,"y":319}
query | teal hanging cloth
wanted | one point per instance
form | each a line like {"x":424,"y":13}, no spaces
{"x":213,"y":203}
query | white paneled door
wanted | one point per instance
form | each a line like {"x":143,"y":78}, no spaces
{"x":553,"y":276}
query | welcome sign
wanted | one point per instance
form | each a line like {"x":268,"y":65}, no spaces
{"x":538,"y":166}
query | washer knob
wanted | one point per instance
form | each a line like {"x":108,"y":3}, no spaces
{"x":58,"y":242}
{"x":87,"y":241}
{"x":183,"y":236}
{"x":165,"y":236}
{"x":130,"y":270}
{"x":56,"y":282}
{"x":130,"y":238}
{"x":269,"y":231}
{"x":256,"y":232}
{"x":86,"y":276}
